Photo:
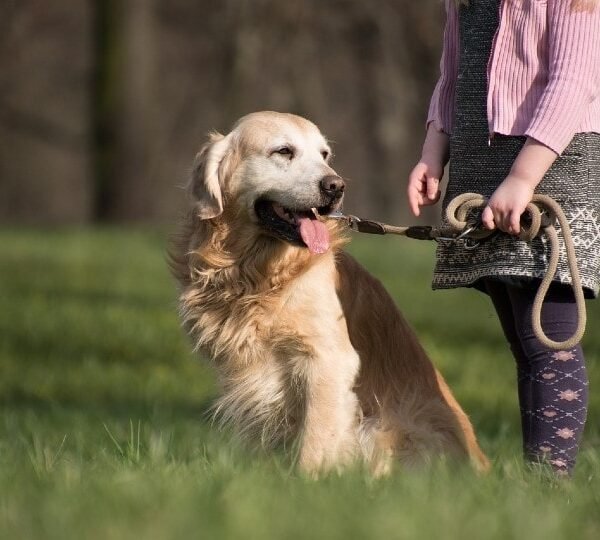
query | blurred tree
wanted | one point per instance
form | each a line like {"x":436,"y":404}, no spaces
{"x":45,"y":59}
{"x":167,"y":72}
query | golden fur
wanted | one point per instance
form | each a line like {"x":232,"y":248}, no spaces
{"x":308,"y":348}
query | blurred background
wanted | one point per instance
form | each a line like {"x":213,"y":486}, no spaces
{"x":104,"y":424}
{"x":103,"y":103}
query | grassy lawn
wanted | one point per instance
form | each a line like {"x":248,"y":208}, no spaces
{"x":103,"y":431}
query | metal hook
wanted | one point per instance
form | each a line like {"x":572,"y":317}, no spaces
{"x":460,"y":236}
{"x":471,"y":243}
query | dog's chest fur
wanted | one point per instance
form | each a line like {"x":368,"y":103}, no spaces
{"x":232,"y":325}
{"x":267,"y":346}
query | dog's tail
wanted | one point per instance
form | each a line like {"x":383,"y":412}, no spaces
{"x":414,"y":432}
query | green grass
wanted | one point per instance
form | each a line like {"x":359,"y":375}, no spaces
{"x":103,"y":431}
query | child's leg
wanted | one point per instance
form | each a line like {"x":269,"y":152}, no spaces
{"x":559,"y":384}
{"x":554,"y":385}
{"x":499,"y":296}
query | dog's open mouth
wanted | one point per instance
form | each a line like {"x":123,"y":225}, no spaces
{"x":297,"y":226}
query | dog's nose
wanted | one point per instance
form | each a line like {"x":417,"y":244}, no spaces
{"x":332,"y":185}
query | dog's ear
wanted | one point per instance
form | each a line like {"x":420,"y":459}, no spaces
{"x":207,"y":176}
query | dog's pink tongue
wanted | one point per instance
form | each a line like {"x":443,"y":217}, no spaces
{"x":314,"y":233}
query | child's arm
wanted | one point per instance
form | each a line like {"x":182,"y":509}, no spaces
{"x":423,"y":182}
{"x":573,"y":82}
{"x":573,"y":51}
{"x":441,"y":105}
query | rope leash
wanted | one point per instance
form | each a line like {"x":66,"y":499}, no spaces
{"x":543,"y":212}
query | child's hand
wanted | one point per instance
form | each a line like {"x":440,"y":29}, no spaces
{"x":507,"y":203}
{"x":424,"y":185}
{"x":424,"y":180}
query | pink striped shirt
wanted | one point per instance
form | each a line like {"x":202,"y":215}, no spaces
{"x":543,"y":72}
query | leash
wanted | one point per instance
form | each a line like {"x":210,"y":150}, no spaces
{"x":543,"y":212}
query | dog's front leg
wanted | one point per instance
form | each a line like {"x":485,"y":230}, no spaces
{"x":330,"y":430}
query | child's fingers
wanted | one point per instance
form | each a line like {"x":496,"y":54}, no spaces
{"x":415,"y":199}
{"x":415,"y":189}
{"x":416,"y":178}
{"x":487,"y":218}
{"x":433,"y":189}
{"x":422,"y":189}
{"x":515,"y":222}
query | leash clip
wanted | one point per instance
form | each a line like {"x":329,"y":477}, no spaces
{"x":461,"y":236}
{"x":467,"y":231}
{"x":469,"y":243}
{"x":357,"y":224}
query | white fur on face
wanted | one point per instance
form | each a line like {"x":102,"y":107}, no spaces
{"x":291,"y":180}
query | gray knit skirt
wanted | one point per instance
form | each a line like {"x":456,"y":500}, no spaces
{"x":479,"y":165}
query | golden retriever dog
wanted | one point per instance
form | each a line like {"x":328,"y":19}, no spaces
{"x":308,"y":347}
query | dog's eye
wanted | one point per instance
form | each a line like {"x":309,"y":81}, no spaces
{"x":325,"y":154}
{"x":285,"y":151}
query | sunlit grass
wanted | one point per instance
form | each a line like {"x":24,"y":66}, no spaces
{"x":103,"y":432}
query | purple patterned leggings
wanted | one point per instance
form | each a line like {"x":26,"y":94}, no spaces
{"x":552,"y":385}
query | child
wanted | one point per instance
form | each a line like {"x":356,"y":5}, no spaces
{"x":517,"y":109}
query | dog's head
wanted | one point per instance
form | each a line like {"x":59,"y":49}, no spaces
{"x":272,"y":173}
